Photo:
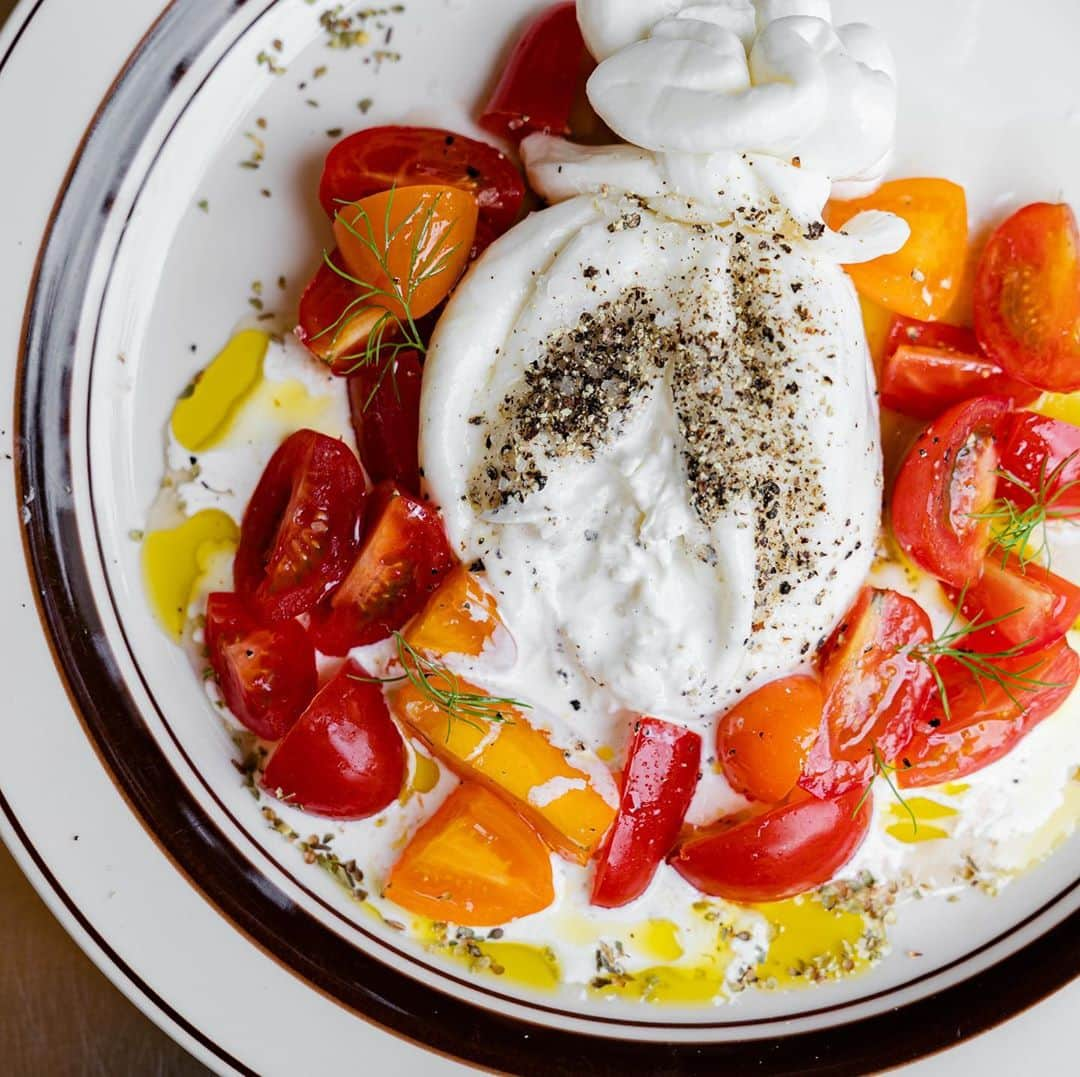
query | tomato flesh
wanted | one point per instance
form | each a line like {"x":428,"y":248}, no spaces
{"x":763,"y":742}
{"x":301,"y":527}
{"x":344,"y":758}
{"x":404,"y":557}
{"x":658,"y":784}
{"x":1043,"y":455}
{"x":1027,"y":297}
{"x":985,"y":721}
{"x":546,"y":73}
{"x":384,"y":400}
{"x":382,"y":158}
{"x":475,"y":862}
{"x":787,"y":851}
{"x":929,"y":366}
{"x":922,"y":279}
{"x":947,"y":480}
{"x":266,"y":672}
{"x":874,"y":690}
{"x":1033,"y":607}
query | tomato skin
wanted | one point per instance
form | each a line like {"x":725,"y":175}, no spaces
{"x":344,"y":758}
{"x":658,"y":784}
{"x":265,"y":672}
{"x":929,"y":366}
{"x":541,"y":79}
{"x":407,"y":246}
{"x":402,"y":560}
{"x":984,"y":724}
{"x":1034,"y":447}
{"x":382,"y":158}
{"x":786,"y":851}
{"x":385,"y":408}
{"x":947,"y":479}
{"x":762,"y":743}
{"x":1036,"y":607}
{"x":475,"y":862}
{"x":922,"y":279}
{"x":301,"y":527}
{"x":1027,"y":297}
{"x":874,"y":691}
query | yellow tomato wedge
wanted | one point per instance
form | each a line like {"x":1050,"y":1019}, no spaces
{"x":923,"y":278}
{"x":459,"y":618}
{"x":518,"y":762}
{"x":475,"y":862}
{"x":409,"y":245}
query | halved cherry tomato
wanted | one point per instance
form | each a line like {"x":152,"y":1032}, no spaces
{"x":874,"y":690}
{"x":929,"y":366}
{"x":265,"y":672}
{"x":402,"y":560}
{"x":1044,"y":455}
{"x":986,"y":719}
{"x":546,"y":72}
{"x":658,"y":784}
{"x":763,"y":741}
{"x":1032,"y":606}
{"x":922,"y":279}
{"x":344,"y":758}
{"x":382,"y":158}
{"x":384,"y":399}
{"x":475,"y":862}
{"x":947,"y":481}
{"x":333,"y":322}
{"x":784,"y":852}
{"x":408,"y":245}
{"x":301,"y":526}
{"x":516,"y":761}
{"x":1027,"y":297}
{"x":459,"y":618}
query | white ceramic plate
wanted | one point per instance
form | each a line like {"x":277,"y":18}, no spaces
{"x":120,"y":798}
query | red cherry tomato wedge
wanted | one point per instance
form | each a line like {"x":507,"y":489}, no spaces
{"x":1027,"y":297}
{"x":763,"y":742}
{"x":546,"y":73}
{"x":1043,"y":456}
{"x":946,"y":481}
{"x":385,"y":405}
{"x":787,"y":851}
{"x":266,"y":672}
{"x":986,"y":720}
{"x":344,"y":758}
{"x":402,"y":560}
{"x":1032,"y":606}
{"x":382,"y":158}
{"x":334,"y":323}
{"x":930,"y":366}
{"x":301,"y":526}
{"x":658,"y":785}
{"x":874,"y":690}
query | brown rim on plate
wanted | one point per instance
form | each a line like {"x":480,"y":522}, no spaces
{"x":144,"y":775}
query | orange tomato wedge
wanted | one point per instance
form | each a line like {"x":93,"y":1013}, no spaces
{"x":763,"y":741}
{"x":518,"y":762}
{"x":459,"y":618}
{"x":408,"y":245}
{"x":922,"y":279}
{"x":475,"y":862}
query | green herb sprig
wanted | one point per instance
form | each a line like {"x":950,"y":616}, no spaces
{"x":1013,"y":529}
{"x":441,"y":685}
{"x":884,"y":770}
